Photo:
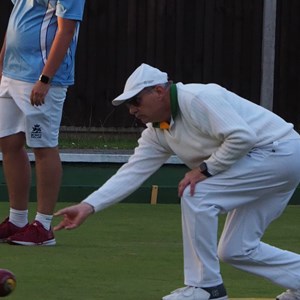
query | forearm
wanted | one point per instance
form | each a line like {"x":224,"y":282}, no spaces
{"x":59,"y":48}
{"x":147,"y":158}
{"x":128,"y":179}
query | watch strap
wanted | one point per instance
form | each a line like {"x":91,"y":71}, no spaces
{"x":203,"y":169}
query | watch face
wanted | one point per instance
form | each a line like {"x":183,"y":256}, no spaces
{"x":44,"y":79}
{"x":203,"y":166}
{"x":203,"y":169}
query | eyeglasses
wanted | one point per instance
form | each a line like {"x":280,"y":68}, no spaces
{"x":137,"y":100}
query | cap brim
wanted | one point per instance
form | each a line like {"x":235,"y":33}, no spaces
{"x":125,"y":96}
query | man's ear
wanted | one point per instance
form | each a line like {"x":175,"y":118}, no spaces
{"x":160,"y":90}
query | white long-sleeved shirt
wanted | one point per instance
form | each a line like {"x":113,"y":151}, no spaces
{"x":212,"y":125}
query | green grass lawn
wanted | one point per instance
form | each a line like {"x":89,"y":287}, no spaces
{"x":126,"y":252}
{"x":98,"y":141}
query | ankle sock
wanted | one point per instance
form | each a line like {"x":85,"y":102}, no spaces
{"x":18,"y":217}
{"x":45,"y":220}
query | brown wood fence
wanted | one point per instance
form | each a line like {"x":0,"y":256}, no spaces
{"x":287,"y":75}
{"x":193,"y":40}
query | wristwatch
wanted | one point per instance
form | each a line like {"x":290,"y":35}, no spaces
{"x":44,"y":79}
{"x":203,"y":169}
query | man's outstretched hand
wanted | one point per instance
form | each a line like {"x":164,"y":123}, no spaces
{"x":73,"y":216}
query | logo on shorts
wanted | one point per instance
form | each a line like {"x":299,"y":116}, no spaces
{"x":36,"y":132}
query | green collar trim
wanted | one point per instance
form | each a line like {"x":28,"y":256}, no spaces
{"x":174,"y":101}
{"x":174,"y":107}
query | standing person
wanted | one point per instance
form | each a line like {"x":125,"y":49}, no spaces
{"x":243,"y":160}
{"x":37,"y":66}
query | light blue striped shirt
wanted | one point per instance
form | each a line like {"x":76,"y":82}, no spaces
{"x":30,"y":33}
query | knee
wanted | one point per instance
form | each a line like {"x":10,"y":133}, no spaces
{"x":186,"y":194}
{"x":224,"y":254}
{"x":44,"y":153}
{"x":185,"y":198}
{"x":231,"y":254}
{"x":198,"y":196}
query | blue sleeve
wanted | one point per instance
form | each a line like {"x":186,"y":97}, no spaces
{"x":70,"y":9}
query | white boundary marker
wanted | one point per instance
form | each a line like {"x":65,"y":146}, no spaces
{"x":98,"y":158}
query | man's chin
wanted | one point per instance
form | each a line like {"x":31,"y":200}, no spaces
{"x":144,"y":120}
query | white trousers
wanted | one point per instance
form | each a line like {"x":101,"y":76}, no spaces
{"x":253,"y":192}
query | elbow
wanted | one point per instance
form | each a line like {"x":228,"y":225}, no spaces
{"x":251,"y":139}
{"x":243,"y":141}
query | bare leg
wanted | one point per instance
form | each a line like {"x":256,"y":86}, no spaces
{"x":17,"y":170}
{"x":48,"y":176}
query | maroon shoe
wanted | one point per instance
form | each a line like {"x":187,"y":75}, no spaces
{"x":7,"y":229}
{"x":33,"y":235}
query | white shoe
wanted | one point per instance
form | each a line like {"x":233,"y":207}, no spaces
{"x":194,"y":293}
{"x":289,"y":295}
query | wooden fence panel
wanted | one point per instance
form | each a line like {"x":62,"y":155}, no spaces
{"x":192,"y":40}
{"x":287,"y":74}
{"x":5,"y":8}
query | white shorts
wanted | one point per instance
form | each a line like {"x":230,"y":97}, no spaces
{"x":39,"y":123}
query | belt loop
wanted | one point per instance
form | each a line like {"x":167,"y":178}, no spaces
{"x":275,"y":144}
